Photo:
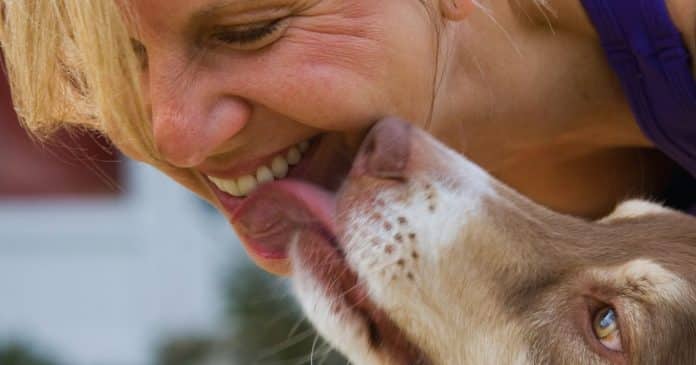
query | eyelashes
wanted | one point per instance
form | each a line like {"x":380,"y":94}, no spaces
{"x":240,"y":37}
{"x":246,"y":35}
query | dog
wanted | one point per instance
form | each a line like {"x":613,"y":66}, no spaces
{"x":424,"y":258}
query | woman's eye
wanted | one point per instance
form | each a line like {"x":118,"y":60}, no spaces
{"x":252,"y":36}
{"x":606,"y":327}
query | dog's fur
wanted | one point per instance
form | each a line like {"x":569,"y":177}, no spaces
{"x":445,"y":265}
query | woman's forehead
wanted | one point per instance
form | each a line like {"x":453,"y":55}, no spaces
{"x":169,"y":15}
{"x":158,"y":14}
{"x":167,"y":11}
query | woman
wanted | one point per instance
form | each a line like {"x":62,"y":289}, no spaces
{"x":225,"y":94}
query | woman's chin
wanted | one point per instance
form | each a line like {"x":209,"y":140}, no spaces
{"x":279,"y":267}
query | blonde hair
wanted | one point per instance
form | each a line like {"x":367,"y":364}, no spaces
{"x":71,"y":63}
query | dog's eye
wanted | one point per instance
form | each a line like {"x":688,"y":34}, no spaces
{"x":606,"y":328}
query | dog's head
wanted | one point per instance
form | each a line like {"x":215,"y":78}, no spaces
{"x":426,"y":259}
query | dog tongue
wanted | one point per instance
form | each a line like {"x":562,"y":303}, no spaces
{"x":273,"y":214}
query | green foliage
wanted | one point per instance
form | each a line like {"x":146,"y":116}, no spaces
{"x":20,"y":354}
{"x":270,"y":327}
{"x":266,"y":327}
{"x":186,"y":351}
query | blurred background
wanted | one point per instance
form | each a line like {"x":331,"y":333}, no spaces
{"x":104,"y":261}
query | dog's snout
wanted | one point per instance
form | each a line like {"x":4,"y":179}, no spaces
{"x":385,"y":151}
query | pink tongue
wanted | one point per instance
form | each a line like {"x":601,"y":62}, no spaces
{"x":270,"y":217}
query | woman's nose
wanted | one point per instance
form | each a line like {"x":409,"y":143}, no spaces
{"x":192,"y":117}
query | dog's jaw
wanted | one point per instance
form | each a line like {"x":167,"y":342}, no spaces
{"x":342,"y":328}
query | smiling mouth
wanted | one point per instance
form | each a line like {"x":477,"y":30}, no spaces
{"x":324,"y":163}
{"x":323,"y":160}
{"x":277,"y":168}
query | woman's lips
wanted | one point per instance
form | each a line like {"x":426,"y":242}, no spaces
{"x":247,"y":167}
{"x":230,"y":203}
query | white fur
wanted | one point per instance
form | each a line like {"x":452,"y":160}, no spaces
{"x":648,"y":277}
{"x":635,"y":208}
{"x":344,"y":330}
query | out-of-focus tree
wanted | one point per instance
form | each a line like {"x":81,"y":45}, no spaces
{"x":263,"y":324}
{"x":15,"y":353}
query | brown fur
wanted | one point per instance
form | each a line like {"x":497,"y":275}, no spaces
{"x":472,"y":272}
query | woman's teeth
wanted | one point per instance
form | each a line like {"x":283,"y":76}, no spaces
{"x":242,"y":186}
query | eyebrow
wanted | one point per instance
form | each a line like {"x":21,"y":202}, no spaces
{"x":209,"y":9}
{"x":231,"y":5}
{"x":206,"y":13}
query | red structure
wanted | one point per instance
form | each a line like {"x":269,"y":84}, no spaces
{"x":69,"y":164}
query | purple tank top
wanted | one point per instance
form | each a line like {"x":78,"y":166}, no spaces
{"x":650,"y":57}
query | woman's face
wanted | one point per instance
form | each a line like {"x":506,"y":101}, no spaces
{"x":234,"y":83}
{"x":226,"y":86}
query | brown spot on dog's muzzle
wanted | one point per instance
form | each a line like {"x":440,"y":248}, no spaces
{"x":385,"y":151}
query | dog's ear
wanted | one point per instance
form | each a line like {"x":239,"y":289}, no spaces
{"x":634,"y":209}
{"x":456,"y":9}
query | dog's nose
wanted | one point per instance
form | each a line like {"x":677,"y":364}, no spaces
{"x":385,"y":151}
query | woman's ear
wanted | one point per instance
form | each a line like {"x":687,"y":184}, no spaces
{"x":456,"y":9}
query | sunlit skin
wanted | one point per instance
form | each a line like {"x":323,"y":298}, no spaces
{"x":528,"y":96}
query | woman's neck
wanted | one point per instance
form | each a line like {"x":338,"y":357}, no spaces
{"x":570,"y":16}
{"x":529,"y":95}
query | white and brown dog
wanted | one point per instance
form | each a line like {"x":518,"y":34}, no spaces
{"x":423,"y":258}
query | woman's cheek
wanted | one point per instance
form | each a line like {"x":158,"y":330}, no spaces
{"x":342,"y":82}
{"x":334,"y":82}
{"x":332,"y":78}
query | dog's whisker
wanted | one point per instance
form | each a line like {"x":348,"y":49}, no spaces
{"x":279,"y":316}
{"x":314,"y":345}
{"x":338,"y":277}
{"x":297,"y":325}
{"x":277,"y":348}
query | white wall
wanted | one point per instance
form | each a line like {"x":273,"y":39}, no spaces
{"x":98,"y":282}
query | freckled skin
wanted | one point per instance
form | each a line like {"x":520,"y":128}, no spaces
{"x":539,"y":109}
{"x":333,"y":69}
